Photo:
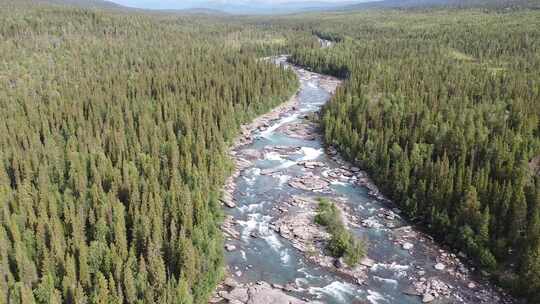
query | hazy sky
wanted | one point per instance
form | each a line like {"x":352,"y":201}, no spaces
{"x":175,"y":4}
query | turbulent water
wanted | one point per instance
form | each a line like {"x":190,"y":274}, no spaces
{"x":263,"y":255}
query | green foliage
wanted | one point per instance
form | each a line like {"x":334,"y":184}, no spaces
{"x":446,"y":120}
{"x":342,"y":242}
{"x":113,"y":140}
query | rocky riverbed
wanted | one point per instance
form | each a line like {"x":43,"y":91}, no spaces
{"x":275,"y":251}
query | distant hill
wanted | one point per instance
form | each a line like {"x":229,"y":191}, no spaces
{"x":109,"y":5}
{"x":445,"y":3}
{"x":270,"y":7}
{"x":203,"y":11}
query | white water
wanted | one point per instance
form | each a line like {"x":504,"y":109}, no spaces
{"x":375,"y":297}
{"x":266,"y":133}
{"x":339,"y":290}
{"x":311,"y":153}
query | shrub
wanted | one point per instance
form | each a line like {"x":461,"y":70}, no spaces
{"x":342,"y":243}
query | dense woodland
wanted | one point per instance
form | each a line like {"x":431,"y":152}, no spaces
{"x":113,"y":133}
{"x":114,"y":128}
{"x":442,"y":107}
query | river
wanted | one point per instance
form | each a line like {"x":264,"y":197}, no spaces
{"x":285,"y":159}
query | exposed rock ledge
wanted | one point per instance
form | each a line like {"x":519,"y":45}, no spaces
{"x":260,"y":293}
{"x":310,"y":239}
{"x":244,"y":138}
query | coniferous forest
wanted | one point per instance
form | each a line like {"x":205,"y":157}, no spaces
{"x":114,"y":130}
{"x":113,"y":140}
{"x":443,"y":109}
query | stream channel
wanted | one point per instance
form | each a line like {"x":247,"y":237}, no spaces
{"x":282,"y":167}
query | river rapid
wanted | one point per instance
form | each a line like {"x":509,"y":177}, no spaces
{"x":283,"y":167}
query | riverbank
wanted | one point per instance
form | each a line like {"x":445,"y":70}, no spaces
{"x":272,"y":240}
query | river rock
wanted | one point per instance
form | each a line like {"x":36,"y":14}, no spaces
{"x":407,"y":246}
{"x":230,"y":282}
{"x":311,"y":164}
{"x":230,"y":247}
{"x":427,"y":298}
{"x":227,"y":199}
{"x":309,"y":183}
{"x":262,"y":294}
{"x":339,"y":263}
{"x":290,"y":287}
{"x":367,"y":262}
{"x":228,"y":227}
{"x":239,"y":294}
{"x":251,"y":154}
{"x":277,"y":286}
{"x":439,"y":266}
{"x":411,"y":291}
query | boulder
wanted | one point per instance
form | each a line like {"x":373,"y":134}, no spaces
{"x":339,"y":263}
{"x":439,"y":266}
{"x":228,"y":200}
{"x":277,"y":286}
{"x":427,"y":298}
{"x":262,"y":294}
{"x":239,"y":294}
{"x":407,"y":246}
{"x":230,"y":247}
{"x":367,"y":262}
{"x":231,"y":283}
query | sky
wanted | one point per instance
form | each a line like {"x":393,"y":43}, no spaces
{"x":180,"y":4}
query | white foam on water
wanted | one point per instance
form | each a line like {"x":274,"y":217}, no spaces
{"x":273,"y":155}
{"x":249,"y":225}
{"x":256,"y":221}
{"x":284,"y":256}
{"x":301,"y":282}
{"x":399,"y":270}
{"x":251,"y":207}
{"x":285,"y":165}
{"x":253,"y":171}
{"x":337,"y":290}
{"x":251,"y":175}
{"x":243,"y":253}
{"x":306,"y":274}
{"x":344,"y":178}
{"x":392,"y":282}
{"x":338,"y":183}
{"x":312,"y":85}
{"x":276,"y":126}
{"x":274,"y":242}
{"x":283,"y":179}
{"x":311,"y":153}
{"x":375,"y":297}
